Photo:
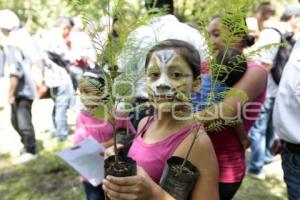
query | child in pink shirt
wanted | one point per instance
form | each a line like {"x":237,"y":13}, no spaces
{"x":89,"y":125}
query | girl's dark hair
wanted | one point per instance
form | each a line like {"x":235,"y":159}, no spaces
{"x":184,"y":49}
{"x":247,"y":41}
{"x":235,"y":63}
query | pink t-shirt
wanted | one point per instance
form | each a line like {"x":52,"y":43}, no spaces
{"x":153,"y":157}
{"x":228,"y":148}
{"x":101,"y":130}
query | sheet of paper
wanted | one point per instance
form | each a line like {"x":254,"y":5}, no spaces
{"x":87,"y":159}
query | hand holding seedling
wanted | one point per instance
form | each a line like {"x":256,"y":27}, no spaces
{"x":140,"y":186}
{"x":110,"y":151}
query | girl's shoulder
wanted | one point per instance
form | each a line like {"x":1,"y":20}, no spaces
{"x":201,"y":147}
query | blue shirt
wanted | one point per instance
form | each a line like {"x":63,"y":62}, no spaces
{"x":207,"y":95}
{"x":20,"y":67}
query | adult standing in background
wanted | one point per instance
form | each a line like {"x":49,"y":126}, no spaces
{"x":55,"y":74}
{"x":262,"y":133}
{"x":286,"y":117}
{"x":20,"y":54}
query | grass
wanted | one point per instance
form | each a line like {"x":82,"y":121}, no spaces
{"x":50,"y":178}
{"x":46,"y":178}
{"x":270,"y":189}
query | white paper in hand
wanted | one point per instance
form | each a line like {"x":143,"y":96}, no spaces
{"x":87,"y":159}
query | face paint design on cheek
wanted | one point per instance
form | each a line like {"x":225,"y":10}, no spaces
{"x":162,"y":86}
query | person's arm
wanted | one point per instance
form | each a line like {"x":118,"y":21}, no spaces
{"x":16,"y":72}
{"x":204,"y":158}
{"x":251,"y":85}
{"x":13,"y":84}
{"x":108,"y":143}
{"x":242,"y":135}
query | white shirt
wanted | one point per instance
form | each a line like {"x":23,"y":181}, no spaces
{"x":54,"y":75}
{"x":140,"y":41}
{"x":286,"y":116}
{"x":266,"y":37}
{"x":81,"y":47}
{"x":22,"y":39}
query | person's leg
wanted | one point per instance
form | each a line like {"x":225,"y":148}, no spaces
{"x":52,"y":125}
{"x":270,"y":135}
{"x":62,"y":102}
{"x":93,"y":193}
{"x":14,"y":119}
{"x":25,"y":126}
{"x":228,"y":190}
{"x":291,"y":170}
{"x":76,"y":74}
{"x":257,"y":135}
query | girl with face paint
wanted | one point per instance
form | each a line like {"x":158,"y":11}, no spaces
{"x":172,"y":68}
{"x":88,"y":125}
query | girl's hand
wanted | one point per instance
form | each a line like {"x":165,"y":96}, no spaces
{"x":110,"y":150}
{"x":139,"y":187}
{"x":246,"y":143}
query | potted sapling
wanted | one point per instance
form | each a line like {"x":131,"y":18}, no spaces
{"x":119,"y":85}
{"x":180,"y":175}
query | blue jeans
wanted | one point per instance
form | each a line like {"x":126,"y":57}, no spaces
{"x":76,"y":74}
{"x":63,"y":97}
{"x":291,"y":170}
{"x":262,"y":136}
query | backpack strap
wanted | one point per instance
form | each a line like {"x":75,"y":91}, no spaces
{"x":281,"y":57}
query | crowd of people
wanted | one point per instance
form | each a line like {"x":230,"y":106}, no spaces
{"x":174,"y":58}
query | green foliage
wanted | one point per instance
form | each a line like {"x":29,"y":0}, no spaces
{"x":123,"y":87}
{"x":39,"y":13}
{"x":122,"y":19}
{"x":94,"y":86}
{"x":182,"y":97}
{"x":268,"y":47}
{"x":102,"y":112}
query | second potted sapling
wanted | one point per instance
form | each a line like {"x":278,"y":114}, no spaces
{"x":180,"y":175}
{"x":107,"y":52}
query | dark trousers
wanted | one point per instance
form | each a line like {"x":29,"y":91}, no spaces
{"x":228,"y":190}
{"x":22,"y":123}
{"x":93,"y":193}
